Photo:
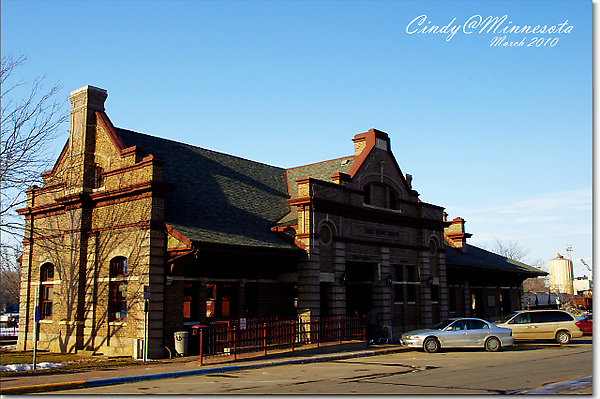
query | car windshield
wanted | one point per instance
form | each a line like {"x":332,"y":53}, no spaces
{"x":443,"y":324}
{"x":507,"y":318}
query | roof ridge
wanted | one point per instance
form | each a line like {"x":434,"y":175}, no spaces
{"x":317,"y":163}
{"x":200,"y":148}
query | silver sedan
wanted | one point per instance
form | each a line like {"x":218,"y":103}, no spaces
{"x":459,"y":333}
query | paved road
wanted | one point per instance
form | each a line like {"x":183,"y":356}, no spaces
{"x":531,"y":368}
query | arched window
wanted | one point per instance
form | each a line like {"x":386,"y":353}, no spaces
{"x":47,"y":290}
{"x":118,"y":267}
{"x":380,"y":195}
{"x":433,"y":246}
{"x":117,"y":307}
{"x":325,"y":233}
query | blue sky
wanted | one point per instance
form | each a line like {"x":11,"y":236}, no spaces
{"x":501,"y":136}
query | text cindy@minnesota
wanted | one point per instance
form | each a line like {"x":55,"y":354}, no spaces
{"x":492,"y":25}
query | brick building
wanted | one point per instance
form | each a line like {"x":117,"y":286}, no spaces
{"x":126,"y":218}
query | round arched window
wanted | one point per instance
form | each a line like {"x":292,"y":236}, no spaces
{"x":325,"y":234}
{"x":432,"y":247}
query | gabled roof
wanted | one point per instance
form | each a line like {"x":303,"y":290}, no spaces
{"x":319,"y":171}
{"x":219,"y":198}
{"x":476,"y":257}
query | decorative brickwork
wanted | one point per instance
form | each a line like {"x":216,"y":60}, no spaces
{"x":202,"y":237}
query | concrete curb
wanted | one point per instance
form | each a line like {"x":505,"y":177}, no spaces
{"x":61,"y":386}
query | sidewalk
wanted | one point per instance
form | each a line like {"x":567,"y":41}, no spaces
{"x":180,"y":367}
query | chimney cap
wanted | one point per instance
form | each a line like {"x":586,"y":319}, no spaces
{"x":88,"y":88}
{"x":90,"y":97}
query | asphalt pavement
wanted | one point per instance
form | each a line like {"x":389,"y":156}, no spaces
{"x":180,"y":367}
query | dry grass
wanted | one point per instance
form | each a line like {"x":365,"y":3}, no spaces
{"x":73,"y":362}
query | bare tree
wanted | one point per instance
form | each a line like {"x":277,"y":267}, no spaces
{"x":10,"y":276}
{"x":538,"y":284}
{"x":31,"y":119}
{"x":81,"y":253}
{"x":515,"y":251}
{"x":510,"y":249}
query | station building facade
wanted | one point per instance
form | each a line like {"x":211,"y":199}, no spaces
{"x":135,"y":237}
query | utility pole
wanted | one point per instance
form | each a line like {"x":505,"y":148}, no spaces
{"x":36,"y":324}
{"x":146,"y":306}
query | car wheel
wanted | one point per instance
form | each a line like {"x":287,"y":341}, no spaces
{"x":492,"y":344}
{"x":431,"y":345}
{"x":563,"y":337}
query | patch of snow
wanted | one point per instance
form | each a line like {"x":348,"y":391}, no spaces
{"x":22,"y":367}
{"x":9,"y":331}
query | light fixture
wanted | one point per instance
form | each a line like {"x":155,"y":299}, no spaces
{"x":344,"y":278}
{"x":389,"y":280}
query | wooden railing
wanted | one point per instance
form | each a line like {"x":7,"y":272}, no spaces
{"x":257,"y":337}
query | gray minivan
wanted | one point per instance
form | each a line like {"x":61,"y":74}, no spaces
{"x":542,"y":324}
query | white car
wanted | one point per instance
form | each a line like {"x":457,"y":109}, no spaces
{"x":459,"y":333}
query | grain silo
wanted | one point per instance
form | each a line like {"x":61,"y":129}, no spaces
{"x":561,"y":275}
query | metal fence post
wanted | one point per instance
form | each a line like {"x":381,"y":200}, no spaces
{"x":318,"y":332}
{"x":201,"y":344}
{"x":294,"y":334}
{"x":235,"y":337}
{"x":265,"y":337}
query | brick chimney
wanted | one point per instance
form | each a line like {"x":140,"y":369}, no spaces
{"x":370,"y":139}
{"x":455,"y":234}
{"x":82,"y":141}
{"x":360,"y":143}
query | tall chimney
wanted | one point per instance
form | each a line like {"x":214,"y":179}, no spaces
{"x":82,"y":136}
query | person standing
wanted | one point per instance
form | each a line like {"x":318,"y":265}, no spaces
{"x":372,"y":321}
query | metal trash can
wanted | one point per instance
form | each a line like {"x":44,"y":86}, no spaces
{"x":181,"y":343}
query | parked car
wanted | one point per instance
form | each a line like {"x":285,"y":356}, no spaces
{"x":459,"y":333}
{"x":558,"y":325}
{"x":584,"y":322}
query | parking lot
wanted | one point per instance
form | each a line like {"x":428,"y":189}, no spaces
{"x":526,"y":368}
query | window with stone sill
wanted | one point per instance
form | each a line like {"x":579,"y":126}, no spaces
{"x":47,"y":291}
{"x":435,"y":293}
{"x":98,"y":176}
{"x":118,"y":289}
{"x":411,"y":293}
{"x":405,"y":284}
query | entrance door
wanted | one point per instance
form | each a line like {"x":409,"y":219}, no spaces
{"x":358,"y":299}
{"x":359,"y":291}
{"x":505,"y":303}
{"x":477,"y":305}
{"x":325,"y":294}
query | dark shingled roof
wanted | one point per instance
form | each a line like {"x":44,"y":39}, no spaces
{"x":219,"y":198}
{"x":319,"y":171}
{"x":480,"y":258}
